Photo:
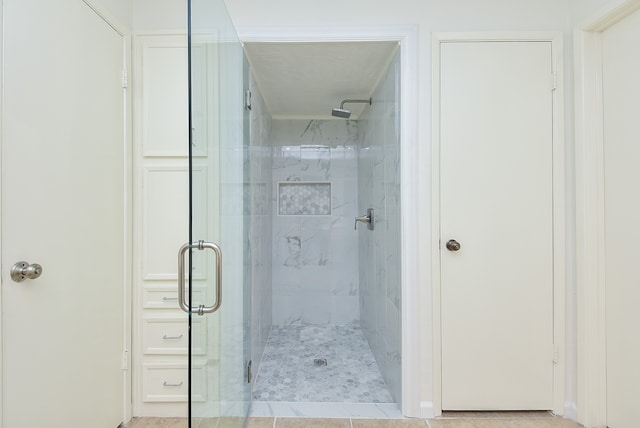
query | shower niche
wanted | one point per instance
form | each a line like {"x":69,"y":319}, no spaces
{"x":304,"y":198}
{"x":326,"y":305}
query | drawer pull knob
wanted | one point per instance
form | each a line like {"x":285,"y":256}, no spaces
{"x":165,"y":337}
{"x":170,"y":299}
{"x":165,"y":383}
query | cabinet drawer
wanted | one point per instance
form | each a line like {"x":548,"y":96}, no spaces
{"x":166,"y":298}
{"x":170,"y":336}
{"x":167,"y":382}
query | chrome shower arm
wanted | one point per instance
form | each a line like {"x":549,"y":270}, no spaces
{"x":354,"y":101}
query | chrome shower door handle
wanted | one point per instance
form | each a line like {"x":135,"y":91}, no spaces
{"x":182,"y":301}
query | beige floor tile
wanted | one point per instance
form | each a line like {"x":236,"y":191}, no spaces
{"x":491,"y":423}
{"x":541,"y":423}
{"x":452,"y":423}
{"x":388,"y":423}
{"x":158,"y":423}
{"x":260,"y":422}
{"x":205,"y":423}
{"x":229,"y":422}
{"x":312,"y":423}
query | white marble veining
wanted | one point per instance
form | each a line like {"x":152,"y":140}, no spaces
{"x":379,"y":250}
{"x":315,"y":264}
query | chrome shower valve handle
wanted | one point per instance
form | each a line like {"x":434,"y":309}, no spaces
{"x":365,"y":219}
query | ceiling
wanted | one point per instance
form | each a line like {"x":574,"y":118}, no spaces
{"x":305,"y":80}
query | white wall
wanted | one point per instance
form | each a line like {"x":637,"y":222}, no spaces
{"x":159,"y":15}
{"x":583,"y":10}
{"x":379,"y":249}
{"x":121,"y":11}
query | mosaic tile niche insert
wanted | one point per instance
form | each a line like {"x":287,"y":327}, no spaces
{"x":304,"y":198}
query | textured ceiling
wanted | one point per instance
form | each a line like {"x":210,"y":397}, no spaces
{"x":307,"y":79}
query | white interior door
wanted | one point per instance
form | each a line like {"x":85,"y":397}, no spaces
{"x":63,"y":206}
{"x":621,"y":95}
{"x":496,"y":202}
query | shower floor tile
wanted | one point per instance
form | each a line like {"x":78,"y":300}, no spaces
{"x":288,"y":372}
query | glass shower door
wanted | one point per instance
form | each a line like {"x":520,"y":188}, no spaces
{"x":213,"y":262}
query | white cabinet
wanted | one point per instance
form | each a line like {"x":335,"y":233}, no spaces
{"x":161,"y":199}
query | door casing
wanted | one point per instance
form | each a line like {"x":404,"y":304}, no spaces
{"x":589,"y":163}
{"x":559,"y":227}
{"x":412,"y":177}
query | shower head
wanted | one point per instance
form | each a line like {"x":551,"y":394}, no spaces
{"x":346,"y":114}
{"x":339,"y":112}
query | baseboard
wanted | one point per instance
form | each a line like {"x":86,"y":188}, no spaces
{"x":426,"y":410}
{"x":571,"y":411}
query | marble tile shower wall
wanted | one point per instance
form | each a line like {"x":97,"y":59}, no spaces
{"x":379,"y":250}
{"x":260,"y":223}
{"x":315,"y":265}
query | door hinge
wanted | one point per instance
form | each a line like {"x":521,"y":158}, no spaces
{"x":556,"y":354}
{"x":247,"y":99}
{"x":554,"y":81}
{"x":125,"y":359}
{"x":249,"y":375}
{"x":125,"y":79}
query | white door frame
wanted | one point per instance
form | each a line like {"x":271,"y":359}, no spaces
{"x":407,"y":37}
{"x":127,"y":214}
{"x":590,"y":269}
{"x":1,"y":151}
{"x":127,"y":195}
{"x":559,"y":228}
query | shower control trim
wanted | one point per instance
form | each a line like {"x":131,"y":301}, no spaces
{"x":365,"y":219}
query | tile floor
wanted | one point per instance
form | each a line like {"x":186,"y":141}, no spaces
{"x":288,"y":373}
{"x":448,"y":420}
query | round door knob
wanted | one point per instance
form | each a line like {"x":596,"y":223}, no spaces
{"x":23,"y":270}
{"x":453,"y":245}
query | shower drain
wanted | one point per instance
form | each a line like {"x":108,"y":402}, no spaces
{"x":319,"y":362}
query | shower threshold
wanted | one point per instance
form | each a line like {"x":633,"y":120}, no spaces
{"x":283,"y":409}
